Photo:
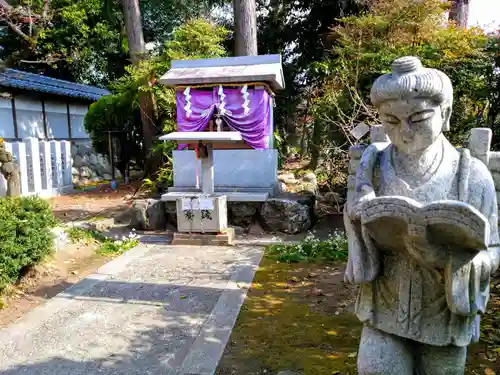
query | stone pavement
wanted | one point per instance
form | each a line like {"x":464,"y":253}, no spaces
{"x":155,"y":310}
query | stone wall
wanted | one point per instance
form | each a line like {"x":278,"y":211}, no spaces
{"x":90,"y":166}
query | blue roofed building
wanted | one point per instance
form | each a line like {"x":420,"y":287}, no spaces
{"x":33,"y":105}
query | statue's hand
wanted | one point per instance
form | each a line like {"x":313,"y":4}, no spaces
{"x":482,"y":265}
{"x":364,"y":194}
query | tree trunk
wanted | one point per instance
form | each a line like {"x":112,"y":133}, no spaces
{"x":133,"y":26}
{"x":245,"y":28}
{"x":137,"y":48}
{"x":459,"y":12}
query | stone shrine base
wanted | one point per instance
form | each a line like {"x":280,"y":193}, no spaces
{"x":288,"y":213}
{"x":204,"y":239}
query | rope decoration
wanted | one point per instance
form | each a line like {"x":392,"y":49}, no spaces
{"x":222,"y":103}
{"x":187,"y":108}
{"x":246,"y":101}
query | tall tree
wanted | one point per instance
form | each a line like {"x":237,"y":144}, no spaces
{"x":459,"y":12}
{"x":69,"y":39}
{"x":133,"y":25}
{"x":298,"y":29}
{"x":245,"y":28}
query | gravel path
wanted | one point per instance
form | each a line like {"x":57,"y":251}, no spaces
{"x":155,"y":310}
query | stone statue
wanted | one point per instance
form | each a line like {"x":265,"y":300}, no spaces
{"x":10,"y":172}
{"x":421,"y":220}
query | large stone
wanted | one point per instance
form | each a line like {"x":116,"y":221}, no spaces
{"x":78,"y":161}
{"x":243,"y":213}
{"x":171,"y":211}
{"x":309,"y":177}
{"x":84,"y":148}
{"x":148,"y":214}
{"x":103,"y":164}
{"x":93,"y":159}
{"x":85,"y":172}
{"x":288,"y":178}
{"x":289,"y":214}
{"x":102,"y":225}
{"x":74,"y":150}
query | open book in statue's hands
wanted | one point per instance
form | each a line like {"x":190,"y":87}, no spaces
{"x":445,"y":226}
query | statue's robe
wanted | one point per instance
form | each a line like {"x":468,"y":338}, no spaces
{"x":398,"y":295}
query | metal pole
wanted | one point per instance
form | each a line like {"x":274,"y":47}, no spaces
{"x":111,"y":156}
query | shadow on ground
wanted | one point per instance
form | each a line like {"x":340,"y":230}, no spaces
{"x":127,"y":328}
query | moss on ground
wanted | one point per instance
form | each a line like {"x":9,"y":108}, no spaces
{"x":292,"y":321}
{"x":279,"y":327}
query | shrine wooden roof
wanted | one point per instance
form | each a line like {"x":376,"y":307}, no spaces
{"x":230,"y":70}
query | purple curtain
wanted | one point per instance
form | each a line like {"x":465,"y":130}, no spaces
{"x":253,"y":122}
{"x":245,"y":111}
{"x":194,"y":110}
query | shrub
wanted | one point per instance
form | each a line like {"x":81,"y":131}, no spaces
{"x":106,"y":246}
{"x":312,"y":249}
{"x":25,"y":235}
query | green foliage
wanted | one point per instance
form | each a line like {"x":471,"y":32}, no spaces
{"x":195,"y":39}
{"x":25,"y":235}
{"x":364,"y":48}
{"x":279,"y":145}
{"x":298,"y":30}
{"x":106,"y":246}
{"x":85,"y":40}
{"x":312,"y":249}
{"x":367,"y":44}
{"x":75,"y":40}
{"x":161,"y":17}
{"x":115,"y":247}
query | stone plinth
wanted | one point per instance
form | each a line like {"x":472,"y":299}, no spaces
{"x":245,"y":171}
{"x":225,"y":238}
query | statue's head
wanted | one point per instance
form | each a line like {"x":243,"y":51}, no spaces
{"x":414,"y":104}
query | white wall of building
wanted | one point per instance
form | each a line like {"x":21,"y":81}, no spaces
{"x":6,"y":118}
{"x":29,"y":116}
{"x":77,"y":112}
{"x":57,"y":120}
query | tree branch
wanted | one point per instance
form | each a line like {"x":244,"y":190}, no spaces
{"x":5,"y":5}
{"x":18,"y":31}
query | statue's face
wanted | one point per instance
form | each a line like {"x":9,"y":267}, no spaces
{"x":412,"y":124}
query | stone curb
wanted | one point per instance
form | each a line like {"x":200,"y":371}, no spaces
{"x":206,"y":351}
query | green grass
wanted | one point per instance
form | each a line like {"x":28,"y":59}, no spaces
{"x":312,"y":249}
{"x":107,"y":246}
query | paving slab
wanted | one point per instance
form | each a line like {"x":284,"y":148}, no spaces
{"x":155,"y":310}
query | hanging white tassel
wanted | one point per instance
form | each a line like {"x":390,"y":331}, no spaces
{"x":218,"y":122}
{"x":246,"y":101}
{"x":222,"y":103}
{"x":187,"y":108}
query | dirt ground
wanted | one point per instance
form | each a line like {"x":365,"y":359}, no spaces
{"x":72,"y":263}
{"x":44,"y":281}
{"x":300,"y":317}
{"x":101,"y":202}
